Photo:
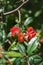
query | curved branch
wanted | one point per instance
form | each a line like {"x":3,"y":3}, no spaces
{"x":19,"y":16}
{"x":16,"y":8}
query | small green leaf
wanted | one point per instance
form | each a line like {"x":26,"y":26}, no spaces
{"x":21,"y":48}
{"x":28,"y":21}
{"x":1,"y":10}
{"x":37,"y":13}
{"x":4,"y":35}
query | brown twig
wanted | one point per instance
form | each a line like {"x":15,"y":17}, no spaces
{"x":16,"y":8}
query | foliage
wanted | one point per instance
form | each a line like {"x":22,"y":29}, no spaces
{"x":21,"y":48}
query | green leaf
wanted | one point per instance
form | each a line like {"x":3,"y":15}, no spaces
{"x":2,"y":61}
{"x":35,"y":59}
{"x":12,"y":46}
{"x":28,"y":21}
{"x":21,"y":48}
{"x":37,"y":13}
{"x":12,"y":54}
{"x":1,"y":10}
{"x":13,"y":59}
{"x":32,"y":45}
{"x":4,"y":35}
{"x":17,"y":61}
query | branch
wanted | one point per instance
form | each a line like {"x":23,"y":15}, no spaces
{"x":16,"y":8}
{"x":19,"y":16}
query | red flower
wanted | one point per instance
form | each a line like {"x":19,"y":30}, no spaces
{"x":31,"y":35}
{"x":30,"y":29}
{"x":20,"y":37}
{"x":14,"y":30}
{"x":30,"y":32}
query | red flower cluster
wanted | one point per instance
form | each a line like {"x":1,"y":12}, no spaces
{"x":21,"y":37}
{"x":30,"y":32}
